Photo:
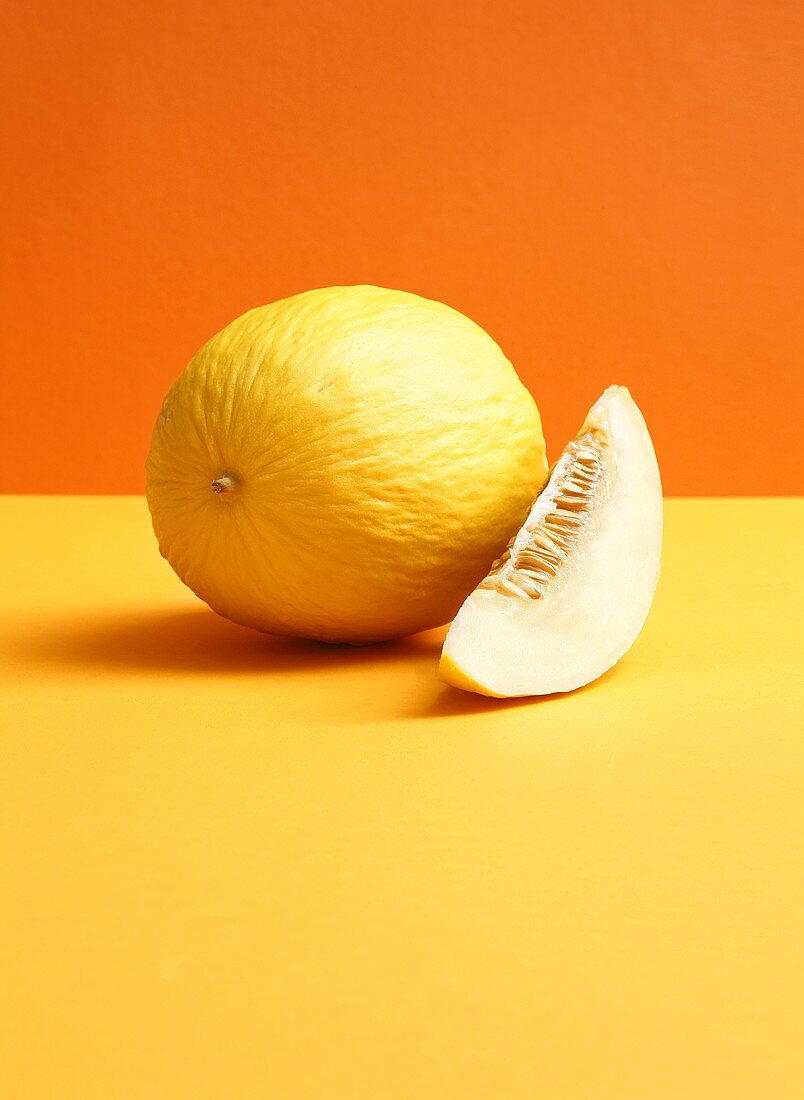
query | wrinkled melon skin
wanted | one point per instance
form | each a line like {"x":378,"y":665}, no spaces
{"x":379,"y":449}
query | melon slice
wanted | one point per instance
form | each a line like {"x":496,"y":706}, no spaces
{"x":571,"y":593}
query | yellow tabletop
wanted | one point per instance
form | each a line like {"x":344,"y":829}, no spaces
{"x":237,"y":866}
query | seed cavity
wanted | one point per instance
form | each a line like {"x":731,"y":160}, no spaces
{"x":536,"y":553}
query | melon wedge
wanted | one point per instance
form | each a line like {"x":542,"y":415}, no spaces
{"x":571,"y":593}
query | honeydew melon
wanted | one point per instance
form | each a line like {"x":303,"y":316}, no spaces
{"x":569,"y":596}
{"x":343,"y":464}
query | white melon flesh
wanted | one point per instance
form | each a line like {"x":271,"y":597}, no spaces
{"x":571,"y":593}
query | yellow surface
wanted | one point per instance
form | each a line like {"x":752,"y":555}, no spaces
{"x":234,"y":866}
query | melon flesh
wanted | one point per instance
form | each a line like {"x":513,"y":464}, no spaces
{"x":571,"y":593}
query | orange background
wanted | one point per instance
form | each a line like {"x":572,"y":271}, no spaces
{"x":612,"y":189}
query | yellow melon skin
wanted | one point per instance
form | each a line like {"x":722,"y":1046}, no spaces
{"x":373,"y":451}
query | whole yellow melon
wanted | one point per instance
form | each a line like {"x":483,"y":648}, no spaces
{"x":343,"y":464}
